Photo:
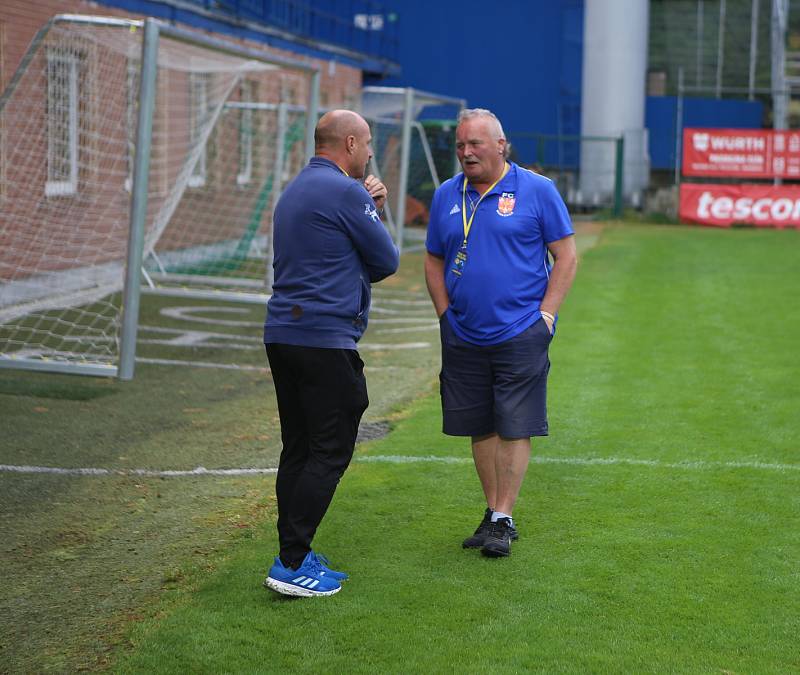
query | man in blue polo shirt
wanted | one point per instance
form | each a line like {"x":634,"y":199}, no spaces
{"x":497,"y":295}
{"x":330,"y":245}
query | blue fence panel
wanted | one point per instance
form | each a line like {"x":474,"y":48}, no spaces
{"x":660,"y":120}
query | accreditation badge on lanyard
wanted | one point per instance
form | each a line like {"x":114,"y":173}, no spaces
{"x":460,"y":259}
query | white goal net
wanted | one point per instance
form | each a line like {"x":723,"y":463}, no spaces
{"x":414,"y":144}
{"x":223,"y":141}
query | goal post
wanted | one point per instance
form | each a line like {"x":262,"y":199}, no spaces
{"x":404,"y":154}
{"x":139,"y":186}
{"x":139,"y":149}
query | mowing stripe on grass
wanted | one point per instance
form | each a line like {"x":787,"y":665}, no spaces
{"x":404,"y":459}
{"x":591,"y":461}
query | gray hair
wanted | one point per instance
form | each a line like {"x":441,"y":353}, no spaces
{"x":471,"y":113}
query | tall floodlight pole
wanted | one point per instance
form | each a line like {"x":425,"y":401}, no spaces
{"x":720,"y":46}
{"x":753,"y":48}
{"x":780,"y":18}
{"x":698,"y":73}
{"x":141,"y":178}
{"x":679,"y":128}
{"x":780,"y":12}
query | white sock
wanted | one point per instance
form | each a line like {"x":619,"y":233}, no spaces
{"x":497,"y":515}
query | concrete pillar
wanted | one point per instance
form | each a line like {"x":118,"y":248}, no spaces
{"x":613,"y":96}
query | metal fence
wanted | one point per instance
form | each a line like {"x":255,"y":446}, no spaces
{"x":559,"y":158}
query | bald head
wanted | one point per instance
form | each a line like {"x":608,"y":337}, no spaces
{"x":334,"y":126}
{"x":344,"y":137}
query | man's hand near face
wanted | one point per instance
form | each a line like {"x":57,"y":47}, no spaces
{"x":377,"y":191}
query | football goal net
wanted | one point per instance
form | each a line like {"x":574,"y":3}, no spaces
{"x":136,"y":150}
{"x":413,"y":138}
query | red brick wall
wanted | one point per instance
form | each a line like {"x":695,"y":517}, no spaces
{"x":51,"y":232}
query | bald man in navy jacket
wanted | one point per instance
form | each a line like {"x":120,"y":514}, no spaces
{"x":329,"y":245}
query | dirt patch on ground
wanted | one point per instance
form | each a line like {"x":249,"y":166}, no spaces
{"x":587,"y":233}
{"x":372,"y":431}
{"x":590,"y":227}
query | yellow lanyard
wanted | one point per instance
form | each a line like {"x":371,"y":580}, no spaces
{"x":468,"y":223}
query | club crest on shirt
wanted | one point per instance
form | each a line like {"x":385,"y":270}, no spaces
{"x":371,"y":212}
{"x":505,"y":205}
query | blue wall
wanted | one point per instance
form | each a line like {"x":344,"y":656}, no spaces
{"x":314,"y":29}
{"x":523,"y":60}
{"x":660,"y":116}
{"x":519,"y":58}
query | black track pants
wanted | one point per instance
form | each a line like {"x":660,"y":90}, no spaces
{"x":321,"y":395}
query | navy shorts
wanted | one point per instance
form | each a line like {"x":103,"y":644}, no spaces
{"x":498,"y":388}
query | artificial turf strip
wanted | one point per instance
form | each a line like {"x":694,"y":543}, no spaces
{"x":677,"y":347}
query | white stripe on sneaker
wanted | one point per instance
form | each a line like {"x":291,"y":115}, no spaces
{"x":313,"y":583}
{"x":289,"y":588}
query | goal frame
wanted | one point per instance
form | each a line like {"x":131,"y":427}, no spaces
{"x":153,"y":30}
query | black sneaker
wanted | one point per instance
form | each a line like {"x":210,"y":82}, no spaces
{"x":478,"y":539}
{"x":498,"y":539}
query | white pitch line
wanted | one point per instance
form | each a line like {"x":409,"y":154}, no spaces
{"x":407,"y":329}
{"x":405,"y":303}
{"x":377,"y":346}
{"x":201,"y":364}
{"x":233,"y":366}
{"x":398,"y":459}
{"x":403,"y":319}
{"x":382,"y":293}
{"x":190,"y":314}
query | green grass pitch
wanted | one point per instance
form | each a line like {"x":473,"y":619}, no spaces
{"x":658,"y":522}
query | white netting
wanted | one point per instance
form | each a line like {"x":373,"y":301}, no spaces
{"x":211,"y":226}
{"x":431,"y":151}
{"x":428,"y":143}
{"x":69,"y":130}
{"x":386,"y":141}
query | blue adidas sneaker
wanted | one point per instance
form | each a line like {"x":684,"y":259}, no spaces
{"x":307,"y":581}
{"x":326,"y":566}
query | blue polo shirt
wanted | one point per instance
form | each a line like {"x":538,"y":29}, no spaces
{"x":495,"y":294}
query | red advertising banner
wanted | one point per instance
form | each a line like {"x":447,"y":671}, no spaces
{"x":723,"y":205}
{"x":741,"y":153}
